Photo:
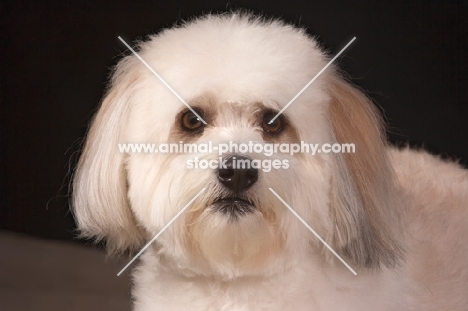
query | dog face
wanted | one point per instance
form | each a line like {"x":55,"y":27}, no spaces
{"x":236,"y":72}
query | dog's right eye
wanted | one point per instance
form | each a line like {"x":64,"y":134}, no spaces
{"x":190,"y":122}
{"x":276,"y":126}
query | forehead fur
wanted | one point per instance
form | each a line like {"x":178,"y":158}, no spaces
{"x":235,"y":56}
{"x":239,"y":59}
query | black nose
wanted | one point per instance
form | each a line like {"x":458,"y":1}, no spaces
{"x":237,"y":173}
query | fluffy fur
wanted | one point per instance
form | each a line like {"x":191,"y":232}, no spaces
{"x":398,"y":217}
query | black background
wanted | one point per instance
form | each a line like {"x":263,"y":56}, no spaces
{"x":410,"y":56}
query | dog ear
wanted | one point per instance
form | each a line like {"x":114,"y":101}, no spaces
{"x":100,"y":203}
{"x":365,"y":204}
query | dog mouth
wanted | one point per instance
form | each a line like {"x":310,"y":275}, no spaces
{"x":233,"y":206}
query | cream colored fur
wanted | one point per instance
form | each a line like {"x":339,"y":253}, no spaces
{"x":398,"y":217}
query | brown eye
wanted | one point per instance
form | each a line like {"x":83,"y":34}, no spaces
{"x":276,"y":126}
{"x":190,"y":122}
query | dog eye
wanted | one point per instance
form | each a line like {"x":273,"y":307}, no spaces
{"x":191,"y":122}
{"x":276,"y":126}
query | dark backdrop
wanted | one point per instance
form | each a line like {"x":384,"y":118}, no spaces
{"x":55,"y":58}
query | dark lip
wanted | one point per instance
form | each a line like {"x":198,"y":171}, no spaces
{"x":233,"y":200}
{"x":235,"y":207}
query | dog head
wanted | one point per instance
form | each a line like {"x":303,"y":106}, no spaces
{"x":237,"y":72}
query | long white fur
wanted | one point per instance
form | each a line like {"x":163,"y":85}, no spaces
{"x":399,"y":217}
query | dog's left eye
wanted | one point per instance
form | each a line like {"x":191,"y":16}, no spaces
{"x":191,"y":122}
{"x":276,"y":126}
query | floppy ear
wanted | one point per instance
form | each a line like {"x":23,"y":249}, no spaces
{"x":365,"y":202}
{"x":100,"y":202}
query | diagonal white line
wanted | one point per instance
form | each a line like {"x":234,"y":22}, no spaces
{"x":311,"y":81}
{"x":162,"y":80}
{"x":160,"y":232}
{"x":312,"y":230}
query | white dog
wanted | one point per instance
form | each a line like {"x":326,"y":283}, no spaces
{"x":399,"y":218}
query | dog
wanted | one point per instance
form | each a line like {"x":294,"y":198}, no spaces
{"x":397,"y":217}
